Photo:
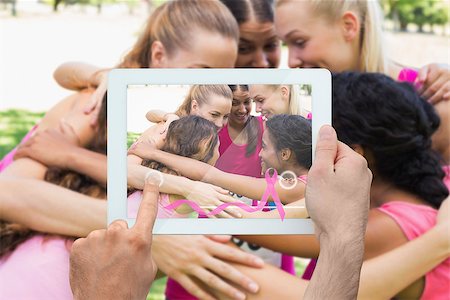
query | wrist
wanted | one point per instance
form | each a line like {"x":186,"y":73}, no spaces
{"x":71,"y":159}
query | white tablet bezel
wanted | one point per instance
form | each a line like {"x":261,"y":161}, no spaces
{"x":119,"y":79}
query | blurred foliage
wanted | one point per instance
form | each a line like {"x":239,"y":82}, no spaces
{"x":418,"y":12}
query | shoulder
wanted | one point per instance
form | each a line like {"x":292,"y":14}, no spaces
{"x":382,"y":235}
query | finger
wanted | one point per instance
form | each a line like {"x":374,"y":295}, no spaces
{"x":91,"y":105}
{"x":94,"y":119}
{"x":219,"y":238}
{"x":193,"y":288}
{"x":326,"y":149}
{"x":224,"y":215}
{"x":214,"y":282}
{"x":226,"y":198}
{"x":446,"y":96}
{"x":226,"y":271}
{"x":234,"y":212}
{"x":21,"y":153}
{"x":434,"y":88}
{"x":149,"y":205}
{"x":221,"y":190}
{"x":225,"y":252}
{"x":422,"y":74}
{"x":118,"y":225}
{"x":436,"y":98}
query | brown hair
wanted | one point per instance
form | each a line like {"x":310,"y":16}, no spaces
{"x":190,"y":136}
{"x":173,"y":24}
{"x":201,"y":94}
{"x":13,"y":234}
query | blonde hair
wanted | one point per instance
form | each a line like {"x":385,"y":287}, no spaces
{"x":295,"y":104}
{"x":372,"y":53}
{"x":173,"y":24}
{"x":201,"y":94}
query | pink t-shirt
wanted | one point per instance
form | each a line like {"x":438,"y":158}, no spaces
{"x":37,"y":269}
{"x":415,"y":220}
{"x":134,"y":200}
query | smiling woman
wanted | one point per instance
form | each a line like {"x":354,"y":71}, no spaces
{"x":259,"y":46}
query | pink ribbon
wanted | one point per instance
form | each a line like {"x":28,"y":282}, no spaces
{"x":270,"y":191}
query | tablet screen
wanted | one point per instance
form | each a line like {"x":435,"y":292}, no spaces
{"x":252,"y":140}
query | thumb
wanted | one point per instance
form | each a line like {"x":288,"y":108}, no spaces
{"x":326,"y":150}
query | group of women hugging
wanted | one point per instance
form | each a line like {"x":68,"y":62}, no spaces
{"x":54,"y":183}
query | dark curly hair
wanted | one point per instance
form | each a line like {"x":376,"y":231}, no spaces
{"x":292,"y":132}
{"x":392,"y":122}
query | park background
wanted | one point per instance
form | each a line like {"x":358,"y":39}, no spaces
{"x":38,"y":35}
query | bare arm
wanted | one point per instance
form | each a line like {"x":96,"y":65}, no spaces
{"x":46,"y":207}
{"x":77,"y":75}
{"x":250,"y":187}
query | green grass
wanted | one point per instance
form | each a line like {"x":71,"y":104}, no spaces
{"x":14,"y":125}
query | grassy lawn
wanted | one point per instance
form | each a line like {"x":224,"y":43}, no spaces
{"x":14,"y":125}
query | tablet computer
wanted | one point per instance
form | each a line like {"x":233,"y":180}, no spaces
{"x":265,"y":196}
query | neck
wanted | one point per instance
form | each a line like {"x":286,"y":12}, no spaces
{"x":298,"y":170}
{"x":236,"y":126}
{"x":382,"y":192}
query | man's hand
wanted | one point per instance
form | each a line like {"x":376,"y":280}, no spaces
{"x":116,"y":263}
{"x":337,"y":199}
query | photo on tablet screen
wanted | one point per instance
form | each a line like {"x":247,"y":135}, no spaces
{"x":231,"y":148}
{"x":252,"y":143}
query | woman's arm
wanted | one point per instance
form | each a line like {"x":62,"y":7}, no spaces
{"x":156,"y":116}
{"x":78,"y":75}
{"x":46,"y":207}
{"x":250,"y":187}
{"x":381,"y":277}
{"x":201,"y":193}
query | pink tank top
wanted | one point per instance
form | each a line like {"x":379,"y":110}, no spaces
{"x":233,"y":160}
{"x":232,"y":157}
{"x":415,"y":220}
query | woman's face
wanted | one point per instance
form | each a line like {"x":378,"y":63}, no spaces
{"x":216,"y":110}
{"x":268,"y":154}
{"x":270,"y":101}
{"x":259,"y":46}
{"x":207,"y":50}
{"x":241,"y":107}
{"x":313,"y":41}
